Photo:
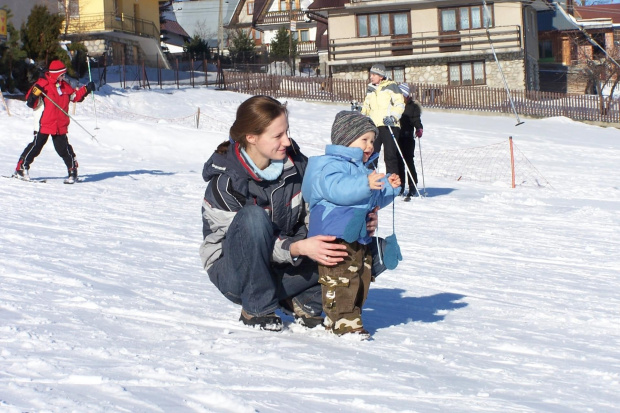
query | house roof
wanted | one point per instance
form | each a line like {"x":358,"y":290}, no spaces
{"x":327,"y":4}
{"x":171,"y":26}
{"x":606,"y":11}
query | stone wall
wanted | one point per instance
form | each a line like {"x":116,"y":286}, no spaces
{"x":435,"y":71}
{"x":113,"y":45}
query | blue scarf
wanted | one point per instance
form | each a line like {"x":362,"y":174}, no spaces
{"x":270,"y":173}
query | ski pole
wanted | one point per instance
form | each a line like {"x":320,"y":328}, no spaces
{"x":90,"y":79}
{"x":63,"y":111}
{"x":403,"y":158}
{"x":421,"y":165}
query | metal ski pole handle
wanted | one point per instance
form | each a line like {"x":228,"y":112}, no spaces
{"x":403,"y":158}
{"x":90,"y":79}
{"x":421,"y":165}
{"x":63,"y":111}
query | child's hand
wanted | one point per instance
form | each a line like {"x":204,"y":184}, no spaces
{"x":374,"y":180}
{"x":394,"y":180}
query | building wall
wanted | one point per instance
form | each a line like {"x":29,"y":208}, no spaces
{"x":436,"y":71}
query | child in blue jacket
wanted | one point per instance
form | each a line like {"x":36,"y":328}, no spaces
{"x":341,"y":191}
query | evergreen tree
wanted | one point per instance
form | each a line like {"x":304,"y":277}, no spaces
{"x":196,"y":47}
{"x":242,"y":46}
{"x":12,"y":65}
{"x":41,"y":34}
{"x":280,"y":45}
{"x":78,"y":60}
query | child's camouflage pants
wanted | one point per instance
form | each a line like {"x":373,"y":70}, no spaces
{"x":345,"y":288}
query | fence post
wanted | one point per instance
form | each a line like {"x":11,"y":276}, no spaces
{"x":177,"y":72}
{"x":191,"y":70}
{"x":159,"y":73}
{"x":204,"y":67}
{"x":512,"y":161}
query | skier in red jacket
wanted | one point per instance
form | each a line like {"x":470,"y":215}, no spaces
{"x":53,"y":121}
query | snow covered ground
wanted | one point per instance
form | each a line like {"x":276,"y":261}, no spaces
{"x":506,"y":301}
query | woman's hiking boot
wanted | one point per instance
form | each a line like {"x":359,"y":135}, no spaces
{"x":269,"y":322}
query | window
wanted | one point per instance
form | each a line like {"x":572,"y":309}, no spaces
{"x":466,"y":73}
{"x":302,"y":35}
{"x":250,"y":9}
{"x":118,"y":8}
{"x":465,"y":18}
{"x":398,"y":74}
{"x":383,"y":24}
{"x":72,"y":5}
{"x":284,"y":4}
{"x":545,"y":51}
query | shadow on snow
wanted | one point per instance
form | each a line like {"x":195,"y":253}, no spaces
{"x":107,"y":175}
{"x":386,"y":307}
{"x":432,"y":192}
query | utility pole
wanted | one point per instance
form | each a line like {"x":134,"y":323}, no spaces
{"x":293,"y":27}
{"x":220,"y":28}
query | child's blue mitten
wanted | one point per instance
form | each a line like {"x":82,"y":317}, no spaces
{"x":391,"y":252}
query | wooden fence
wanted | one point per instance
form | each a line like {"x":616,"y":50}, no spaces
{"x":529,"y":103}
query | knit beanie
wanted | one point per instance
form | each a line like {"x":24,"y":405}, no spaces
{"x":404,"y":89}
{"x":378,"y":69}
{"x":56,"y":69}
{"x":350,"y":125}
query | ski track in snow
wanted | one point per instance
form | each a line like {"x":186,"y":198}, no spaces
{"x":506,"y":299}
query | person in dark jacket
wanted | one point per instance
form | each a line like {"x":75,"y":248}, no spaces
{"x":254,"y":222}
{"x":410,"y":128}
{"x":50,"y":97}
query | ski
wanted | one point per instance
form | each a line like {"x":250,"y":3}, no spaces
{"x":36,"y":181}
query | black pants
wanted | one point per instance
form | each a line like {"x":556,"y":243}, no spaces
{"x":61,"y":144}
{"x":390,"y":152}
{"x":406,"y":142}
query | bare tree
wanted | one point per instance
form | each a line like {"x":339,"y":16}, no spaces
{"x":598,"y":67}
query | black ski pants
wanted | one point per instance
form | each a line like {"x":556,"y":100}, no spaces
{"x":406,"y":141}
{"x":61,"y":144}
{"x":390,"y":152}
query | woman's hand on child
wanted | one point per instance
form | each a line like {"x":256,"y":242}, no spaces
{"x":321,"y":249}
{"x":372,"y":221}
{"x":374,"y":180}
{"x":394,"y":180}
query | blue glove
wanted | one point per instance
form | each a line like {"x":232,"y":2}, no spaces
{"x":390,"y":121}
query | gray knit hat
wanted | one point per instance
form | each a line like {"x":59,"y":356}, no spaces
{"x":378,"y":69}
{"x":350,"y":125}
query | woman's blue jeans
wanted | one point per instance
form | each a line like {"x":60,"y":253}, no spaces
{"x":246,"y":276}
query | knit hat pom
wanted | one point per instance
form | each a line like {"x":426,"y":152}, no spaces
{"x":57,"y":68}
{"x":350,"y":125}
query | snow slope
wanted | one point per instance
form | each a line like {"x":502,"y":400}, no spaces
{"x":506,"y":301}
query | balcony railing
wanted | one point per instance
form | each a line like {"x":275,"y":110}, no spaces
{"x":275,"y":17}
{"x":503,"y":37}
{"x":111,"y":22}
{"x":303,"y":48}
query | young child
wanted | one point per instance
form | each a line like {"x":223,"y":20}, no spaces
{"x":50,"y":97}
{"x":341,"y":191}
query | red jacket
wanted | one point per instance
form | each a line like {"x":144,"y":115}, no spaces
{"x":53,"y":120}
